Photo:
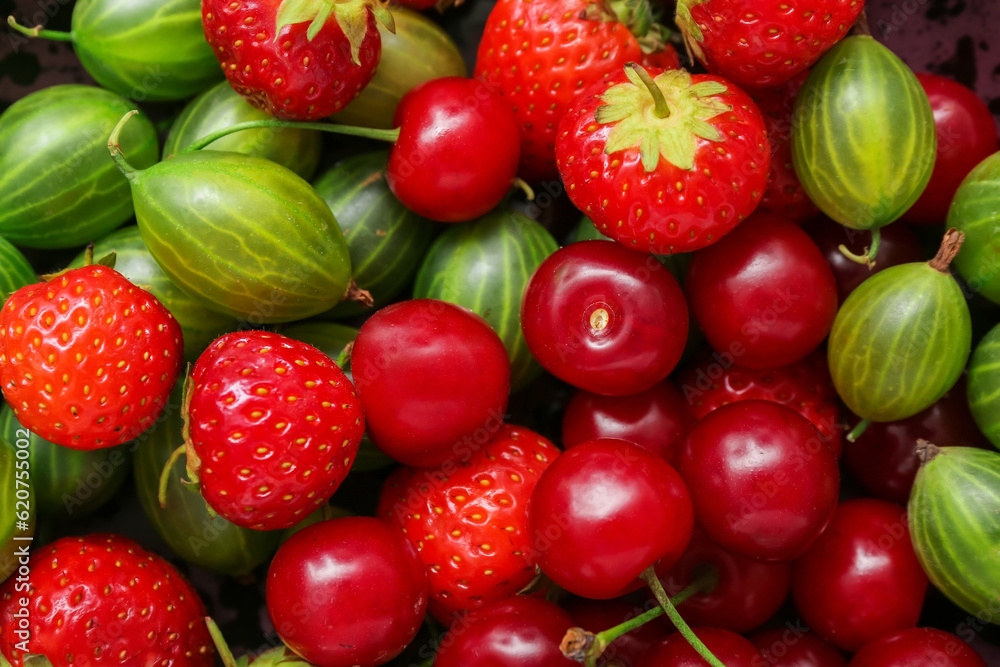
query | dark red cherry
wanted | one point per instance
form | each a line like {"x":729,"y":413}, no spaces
{"x":674,"y":651}
{"x":599,"y":615}
{"x":796,"y":646}
{"x":917,"y":647}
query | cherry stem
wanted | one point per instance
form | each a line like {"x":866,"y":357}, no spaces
{"x":868,"y":257}
{"x":37,"y":31}
{"x":660,"y":107}
{"x":165,"y":475}
{"x":115,"y":147}
{"x":366,"y":132}
{"x":220,"y":643}
{"x":344,"y":358}
{"x":858,"y":430}
{"x":653,"y":581}
{"x":524,"y":187}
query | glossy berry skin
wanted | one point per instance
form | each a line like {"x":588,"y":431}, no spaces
{"x":87,"y":359}
{"x":916,"y":647}
{"x":861,"y":579}
{"x":433,"y":377}
{"x":599,"y":615}
{"x":657,"y":419}
{"x":763,"y":483}
{"x":671,"y":209}
{"x":966,"y":135}
{"x":334,"y":620}
{"x":104,"y":595}
{"x":287,"y":75}
{"x":608,"y":510}
{"x":275,"y":426}
{"x":468,"y":521}
{"x":804,"y":386}
{"x":748,"y":592}
{"x":795,"y":646}
{"x":674,"y":651}
{"x":604,"y":319}
{"x":764,"y":294}
{"x":457,"y":152}
{"x":758,"y":44}
{"x":521,"y":631}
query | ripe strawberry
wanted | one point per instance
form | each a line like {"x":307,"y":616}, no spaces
{"x":804,"y":386}
{"x":87,"y":359}
{"x":663,"y":161}
{"x":286,"y":58}
{"x":467,"y":520}
{"x":541,"y":55}
{"x":274,"y":426}
{"x":103,"y":600}
{"x":758,"y":43}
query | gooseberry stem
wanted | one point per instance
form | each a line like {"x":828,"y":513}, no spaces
{"x":858,"y":430}
{"x":660,"y":107}
{"x":649,"y":576}
{"x":868,"y":258}
{"x":37,"y":31}
{"x":366,"y":132}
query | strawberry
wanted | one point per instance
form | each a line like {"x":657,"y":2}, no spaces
{"x":87,"y":359}
{"x":273,"y":427}
{"x":467,"y":520}
{"x":103,"y":600}
{"x":286,"y":58}
{"x":758,"y":43}
{"x":664,"y":161}
{"x":541,"y":55}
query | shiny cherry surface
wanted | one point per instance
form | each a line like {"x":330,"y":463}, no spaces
{"x":795,"y":646}
{"x":605,"y":319}
{"x":917,"y":647}
{"x":730,"y":648}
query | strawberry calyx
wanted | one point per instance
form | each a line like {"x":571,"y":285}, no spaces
{"x":693,"y":36}
{"x":662,"y":116}
{"x":34,"y":660}
{"x":187,"y":450}
{"x":350,"y":15}
{"x":636,"y":15}
{"x":88,"y":260}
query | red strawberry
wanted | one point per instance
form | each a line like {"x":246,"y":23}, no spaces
{"x":274,"y":426}
{"x":541,"y":55}
{"x":804,"y":386}
{"x":663,"y":161}
{"x":758,"y":43}
{"x":468,"y":521}
{"x":286,"y":58}
{"x":87,"y":359}
{"x":103,"y":600}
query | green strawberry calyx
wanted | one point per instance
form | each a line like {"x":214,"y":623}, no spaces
{"x":636,"y":15}
{"x":663,"y":116}
{"x":350,"y":15}
{"x":690,"y":30}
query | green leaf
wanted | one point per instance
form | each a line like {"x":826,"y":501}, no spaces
{"x":383,"y":15}
{"x":352,"y":17}
{"x":320,"y":20}
{"x":296,"y":11}
{"x":678,"y":148}
{"x":650,"y":151}
{"x":708,"y":88}
{"x":705,"y":130}
{"x":32,"y":660}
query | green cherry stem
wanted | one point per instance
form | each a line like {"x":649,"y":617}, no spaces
{"x":868,"y":258}
{"x":220,"y":643}
{"x":37,"y":31}
{"x":649,"y":576}
{"x":366,"y":132}
{"x":858,"y":430}
{"x":660,"y":107}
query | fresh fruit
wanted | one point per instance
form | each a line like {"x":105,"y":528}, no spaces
{"x":87,"y":359}
{"x":604,"y":318}
{"x":273,"y":428}
{"x":17,"y":525}
{"x":599,"y":615}
{"x":399,"y":350}
{"x":364,"y":618}
{"x":15,"y":271}
{"x":664,"y":161}
{"x":955,"y":530}
{"x":917,"y":646}
{"x":485,"y":266}
{"x":796,"y":646}
{"x":731,"y":650}
{"x":861,"y":579}
{"x":57,"y":187}
{"x":974,"y":213}
{"x":984,"y":386}
{"x":103,"y":595}
{"x":289,"y":58}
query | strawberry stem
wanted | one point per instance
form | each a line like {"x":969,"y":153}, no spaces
{"x":858,"y":430}
{"x":649,"y":576}
{"x":165,"y":475}
{"x":37,"y":31}
{"x":116,"y":149}
{"x":366,"y":132}
{"x":660,"y":107}
{"x":868,"y":257}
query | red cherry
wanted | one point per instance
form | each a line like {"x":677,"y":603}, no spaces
{"x":457,"y":152}
{"x":763,"y":482}
{"x":966,"y":135}
{"x":915,"y":647}
{"x":520,"y":631}
{"x":433,"y":379}
{"x":674,"y":651}
{"x":763,"y":294}
{"x":794,"y":646}
{"x":599,"y":615}
{"x":604,"y":512}
{"x":747,"y":592}
{"x":348,"y":591}
{"x":657,"y":419}
{"x":861,"y":578}
{"x":604,"y":318}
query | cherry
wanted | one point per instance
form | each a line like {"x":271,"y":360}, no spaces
{"x":348,"y":591}
{"x":657,"y":419}
{"x":457,"y":152}
{"x":519,"y":631}
{"x":917,"y":647}
{"x":883,"y":458}
{"x":596,"y":616}
{"x":604,"y":318}
{"x":763,"y":482}
{"x":791,"y":647}
{"x":433,"y":379}
{"x":861,"y":579}
{"x":746,"y":592}
{"x":606,"y":511}
{"x":763,"y":294}
{"x":674,"y":651}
